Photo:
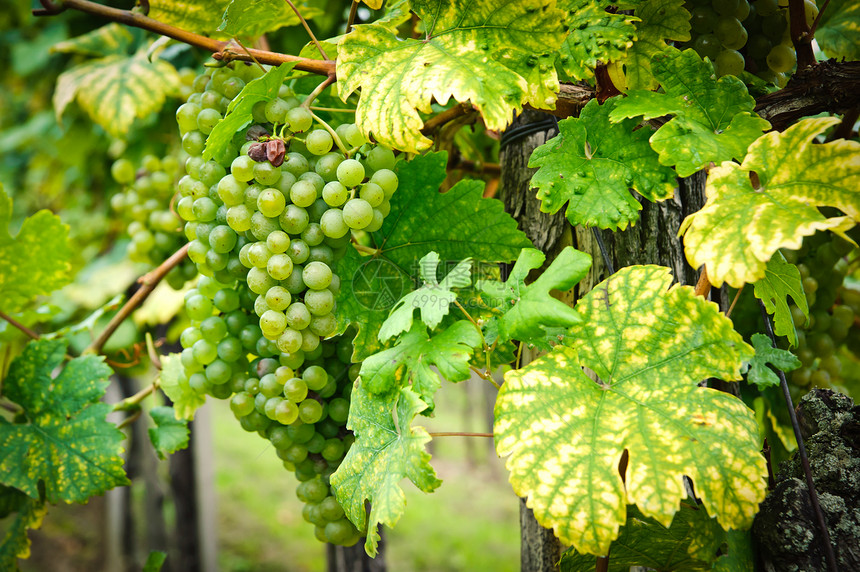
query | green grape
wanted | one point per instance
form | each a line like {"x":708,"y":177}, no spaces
{"x":278,"y":298}
{"x":298,"y":316}
{"x":290,"y":341}
{"x":303,"y":193}
{"x":729,"y":62}
{"x":295,"y":164}
{"x":242,"y":168}
{"x":327,"y":165}
{"x":316,"y":275}
{"x":357,"y":213}
{"x":279,"y":266}
{"x":222,"y":239}
{"x":380,"y":158}
{"x":266,"y":174}
{"x":278,"y":242}
{"x":298,"y":251}
{"x":294,"y":219}
{"x":242,"y":404}
{"x":207,"y":119}
{"x":276,"y":111}
{"x":781,"y":59}
{"x":332,"y":224}
{"x":350,"y":173}
{"x":299,"y":119}
{"x":387,"y":180}
{"x":318,"y":142}
{"x":271,"y":202}
{"x":372,"y":193}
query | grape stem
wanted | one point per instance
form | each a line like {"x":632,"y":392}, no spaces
{"x":365,"y":249}
{"x":13,"y":322}
{"x":735,"y":301}
{"x":132,"y":403}
{"x":148,"y":283}
{"x":150,"y":350}
{"x":444,"y":117}
{"x":818,"y":19}
{"x":331,"y":131}
{"x":318,"y":90}
{"x":307,"y":28}
{"x":353,"y":10}
{"x":800,"y":33}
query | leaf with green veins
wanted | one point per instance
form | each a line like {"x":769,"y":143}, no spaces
{"x":66,"y":442}
{"x":761,"y":375}
{"x":595,"y":36}
{"x":661,"y":20}
{"x":713,"y":119}
{"x":30,"y":512}
{"x":648,"y":347}
{"x":530,"y":310}
{"x":239,"y":112}
{"x":174,"y":384}
{"x":497,"y":55}
{"x":740,"y":556}
{"x":838,"y":32}
{"x":387,"y":448}
{"x":191,"y":15}
{"x":592,"y":164}
{"x":691,"y":543}
{"x":169,"y":434}
{"x":432,"y":299}
{"x":780,"y":281}
{"x":107,"y":40}
{"x":253,"y":18}
{"x":117,"y":89}
{"x":35,"y":262}
{"x":409,"y":362}
{"x":740,"y":227}
{"x":457,"y":224}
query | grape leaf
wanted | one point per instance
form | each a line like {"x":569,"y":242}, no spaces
{"x":497,"y":55}
{"x":595,"y":36}
{"x":648,"y":347}
{"x":257,"y":17}
{"x":174,"y":384}
{"x":16,"y":543}
{"x":738,"y":555}
{"x":740,"y":227}
{"x":410,"y":360}
{"x":457,"y":224}
{"x":838,"y":32}
{"x":110,"y":39}
{"x":155,"y":561}
{"x":35,"y":262}
{"x":386,"y":449}
{"x":117,"y":89}
{"x":190,"y":15}
{"x":169,"y":434}
{"x":593,"y":163}
{"x":765,"y":353}
{"x":713,"y":118}
{"x":239,"y":112}
{"x":691,"y":543}
{"x":432,"y":299}
{"x":530,"y":310}
{"x":66,"y":443}
{"x":781,"y":280}
{"x":661,"y":20}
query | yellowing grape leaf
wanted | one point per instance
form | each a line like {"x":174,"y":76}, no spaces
{"x":648,"y":348}
{"x":530,"y":310}
{"x":780,"y":281}
{"x":838,"y":32}
{"x":35,"y":262}
{"x":117,"y":89}
{"x":257,"y":17}
{"x":410,"y":361}
{"x":65,"y":441}
{"x":497,"y":55}
{"x":740,"y":227}
{"x":713,"y":119}
{"x":174,"y":384}
{"x":28,"y":514}
{"x":191,"y":15}
{"x":595,"y":36}
{"x":169,"y":434}
{"x":661,"y":20}
{"x":765,"y":353}
{"x":387,"y":448}
{"x":110,"y":39}
{"x":592,"y":164}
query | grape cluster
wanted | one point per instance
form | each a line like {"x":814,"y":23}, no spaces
{"x":144,"y":205}
{"x":738,"y":35}
{"x":831,"y":334}
{"x":267,"y":222}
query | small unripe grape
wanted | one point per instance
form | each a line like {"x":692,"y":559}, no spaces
{"x":318,"y":142}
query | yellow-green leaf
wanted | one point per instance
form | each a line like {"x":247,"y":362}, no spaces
{"x":648,"y":348}
{"x":107,"y":40}
{"x":497,"y":55}
{"x":191,"y":15}
{"x":838,"y":32}
{"x":116,"y":90}
{"x":175,"y":385}
{"x":661,"y":20}
{"x":29,"y":514}
{"x":257,"y":17}
{"x":740,"y":227}
{"x":35,"y":261}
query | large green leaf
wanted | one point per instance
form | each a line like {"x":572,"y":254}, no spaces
{"x":566,"y":433}
{"x":169,"y":434}
{"x":457,"y":224}
{"x":740,"y":227}
{"x":110,"y":39}
{"x":765,"y":353}
{"x":691,"y":543}
{"x":191,"y":15}
{"x":595,"y":36}
{"x":529,"y":310}
{"x":410,"y":361}
{"x":838,"y":32}
{"x":592,"y":164}
{"x":35,"y":261}
{"x":65,"y":442}
{"x":117,"y":89}
{"x":257,"y":17}
{"x":661,"y":20}
{"x":387,"y":449}
{"x":174,"y":384}
{"x":713,"y":119}
{"x":780,"y":281}
{"x":28,"y":514}
{"x":498,"y":55}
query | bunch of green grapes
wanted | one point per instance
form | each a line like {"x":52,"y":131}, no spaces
{"x":267,"y":222}
{"x":738,"y":35}
{"x":831,"y":334}
{"x":144,"y":206}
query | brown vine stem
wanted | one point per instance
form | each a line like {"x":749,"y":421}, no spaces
{"x":442,"y":118}
{"x":735,"y":301}
{"x":221,"y":50}
{"x":800,"y":36}
{"x":459,"y":434}
{"x":307,"y":28}
{"x":129,"y":420}
{"x":353,"y":10}
{"x":148,"y":283}
{"x":12,"y":321}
